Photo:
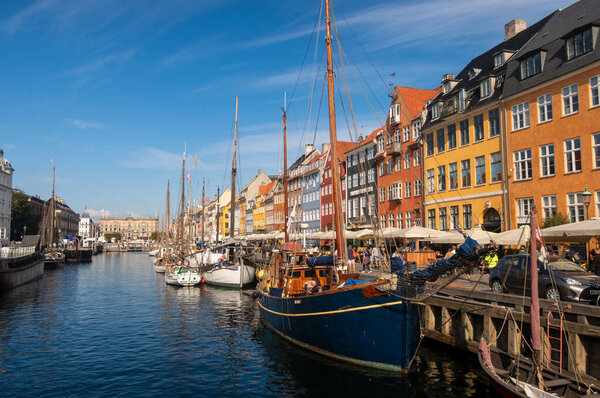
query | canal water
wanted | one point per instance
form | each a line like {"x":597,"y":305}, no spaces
{"x":114,"y":328}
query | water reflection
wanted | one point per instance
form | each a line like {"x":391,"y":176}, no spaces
{"x":113,"y":327}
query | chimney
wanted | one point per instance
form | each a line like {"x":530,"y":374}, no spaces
{"x":308,"y":148}
{"x":448,"y":76}
{"x":325,"y":147}
{"x":258,"y":172}
{"x":514,"y":27}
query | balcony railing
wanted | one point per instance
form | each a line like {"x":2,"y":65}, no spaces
{"x":395,"y":148}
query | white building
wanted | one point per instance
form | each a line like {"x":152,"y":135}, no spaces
{"x":6,"y":172}
{"x":87,"y":227}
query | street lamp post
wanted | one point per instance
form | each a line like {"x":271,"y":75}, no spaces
{"x":587,"y":197}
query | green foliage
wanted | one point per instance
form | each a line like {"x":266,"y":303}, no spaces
{"x":109,"y":235}
{"x":154,"y":234}
{"x":22,"y":217}
{"x":557,"y":219}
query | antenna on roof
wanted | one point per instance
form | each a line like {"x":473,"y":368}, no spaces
{"x":391,"y":84}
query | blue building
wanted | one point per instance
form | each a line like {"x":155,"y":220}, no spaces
{"x":311,"y":195}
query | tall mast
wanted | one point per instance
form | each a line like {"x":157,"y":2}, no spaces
{"x":158,"y":227}
{"x":335,"y":170}
{"x":285,"y":181}
{"x":191,"y":233}
{"x":182,"y":211}
{"x":52,"y":211}
{"x":233,"y":173}
{"x":168,"y":215}
{"x":534,"y":309}
{"x":218,"y":209}
{"x":203,"y":220}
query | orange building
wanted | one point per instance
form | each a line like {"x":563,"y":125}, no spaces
{"x":552,"y":108}
{"x":399,"y":157}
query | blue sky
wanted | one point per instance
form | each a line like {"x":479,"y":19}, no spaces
{"x":112,"y":90}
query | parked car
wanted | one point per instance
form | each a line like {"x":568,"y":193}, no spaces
{"x":572,"y":282}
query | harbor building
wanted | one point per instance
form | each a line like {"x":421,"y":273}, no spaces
{"x":278,"y":206}
{"x":552,"y":97}
{"x":361,"y":182}
{"x":295,"y":181}
{"x":311,"y":197}
{"x":398,"y":159}
{"x":130,"y":228}
{"x":327,"y":220}
{"x":87,"y":227}
{"x":6,"y":173}
{"x":464,"y":184}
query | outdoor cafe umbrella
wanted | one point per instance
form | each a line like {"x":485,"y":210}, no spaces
{"x":514,"y":237}
{"x":365,"y":234}
{"x":416,"y":232}
{"x":582,"y":229}
{"x":456,"y":237}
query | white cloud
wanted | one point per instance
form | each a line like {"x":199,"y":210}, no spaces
{"x":86,"y":71}
{"x":152,"y":158}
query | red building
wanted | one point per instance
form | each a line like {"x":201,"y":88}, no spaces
{"x":399,"y":157}
{"x":327,"y":185}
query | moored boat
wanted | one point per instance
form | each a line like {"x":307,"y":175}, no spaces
{"x":21,"y":264}
{"x":78,"y":254}
{"x":54,"y":259}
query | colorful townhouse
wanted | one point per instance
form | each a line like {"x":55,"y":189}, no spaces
{"x":552,"y":98}
{"x":269,"y":206}
{"x":278,"y":205}
{"x":463,"y":153}
{"x":327,"y":220}
{"x":398,"y":159}
{"x":311,"y":193}
{"x":295,"y":181}
{"x":361,"y":182}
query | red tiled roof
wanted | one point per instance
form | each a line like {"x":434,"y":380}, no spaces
{"x":415,"y":98}
{"x":265,"y":189}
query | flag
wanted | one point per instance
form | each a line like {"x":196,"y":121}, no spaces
{"x":188,"y":176}
{"x":538,"y":235}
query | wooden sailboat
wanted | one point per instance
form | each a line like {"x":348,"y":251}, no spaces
{"x":52,"y":258}
{"x":233,"y":272}
{"x":528,"y":377}
{"x":163,"y":253}
{"x":180,"y":272}
{"x":310,"y":302}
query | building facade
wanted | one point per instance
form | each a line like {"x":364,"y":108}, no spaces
{"x":6,"y":173}
{"x":311,"y":194}
{"x":361,"y":183}
{"x":552,"y":97}
{"x":399,"y":154}
{"x":130,"y":228}
{"x":327,"y":220}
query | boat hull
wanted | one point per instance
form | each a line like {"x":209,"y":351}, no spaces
{"x":231,"y":277}
{"x":13,"y":275}
{"x":159,"y":268}
{"x":78,"y":255}
{"x":380,"y":331}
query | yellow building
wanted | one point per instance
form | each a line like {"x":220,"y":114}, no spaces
{"x":242,"y":211}
{"x":258,"y":214}
{"x":224,"y":220}
{"x":130,"y":228}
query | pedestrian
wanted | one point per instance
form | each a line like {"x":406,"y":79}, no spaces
{"x":351,"y":261}
{"x":375,"y":254}
{"x":491,"y":260}
{"x":367,"y":260}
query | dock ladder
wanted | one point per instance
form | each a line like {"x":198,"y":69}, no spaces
{"x":554,"y":341}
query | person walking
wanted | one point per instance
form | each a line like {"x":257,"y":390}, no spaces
{"x":351,"y":261}
{"x":375,"y":254}
{"x":367,"y":260}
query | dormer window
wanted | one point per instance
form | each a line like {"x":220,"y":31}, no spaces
{"x":447,"y":87}
{"x":486,"y":88}
{"x":473,"y":72}
{"x":579,"y":44}
{"x":498,"y":60}
{"x":532,"y":65}
{"x":395,"y":114}
{"x":462,"y":100}
{"x":435,"y":111}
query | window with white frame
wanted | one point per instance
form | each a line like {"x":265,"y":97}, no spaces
{"x":397,"y":134}
{"x":442,"y":178}
{"x":394,"y":113}
{"x":524,"y":206}
{"x":430,"y":181}
{"x":361,"y":156}
{"x":391,"y":220}
{"x":390,"y":166}
{"x":417,"y":187}
{"x":596,"y":150}
{"x":531,"y":65}
{"x":520,"y":115}
{"x":485,"y":88}
{"x":573,"y":155}
{"x":383,"y":221}
{"x":355,"y":180}
{"x":363,"y":178}
{"x":363,"y":205}
{"x":547,"y":160}
{"x":465,"y":166}
{"x":480,"y":174}
{"x":498,"y":60}
{"x":597,"y":203}
{"x":371,"y":175}
{"x":570,"y":100}
{"x":382,"y":194}
{"x":595,"y":91}
{"x":435,"y":111}
{"x":407,"y":160}
{"x":545,"y":108}
{"x":453,"y":175}
{"x":578,"y":44}
{"x":575,"y":207}
{"x":400,"y":220}
{"x":454,"y":217}
{"x":380,"y":144}
{"x":416,"y":129}
{"x":398,"y":163}
{"x":382,"y":169}
{"x":406,"y":133}
{"x":408,"y":189}
{"x":549,"y":206}
{"x":522,"y":163}
{"x":408,"y":219}
{"x":355,"y":203}
{"x":416,"y":158}
{"x":371,"y":152}
{"x":496,"y":167}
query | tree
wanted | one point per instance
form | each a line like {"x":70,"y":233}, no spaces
{"x":109,"y":235}
{"x":23,"y":219}
{"x":557,"y":219}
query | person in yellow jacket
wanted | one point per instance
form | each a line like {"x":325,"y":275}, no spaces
{"x":491,"y":259}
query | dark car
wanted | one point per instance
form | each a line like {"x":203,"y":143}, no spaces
{"x":571,"y":281}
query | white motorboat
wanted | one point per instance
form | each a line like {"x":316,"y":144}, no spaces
{"x":225,"y":274}
{"x":182,"y":276}
{"x":153,"y":253}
